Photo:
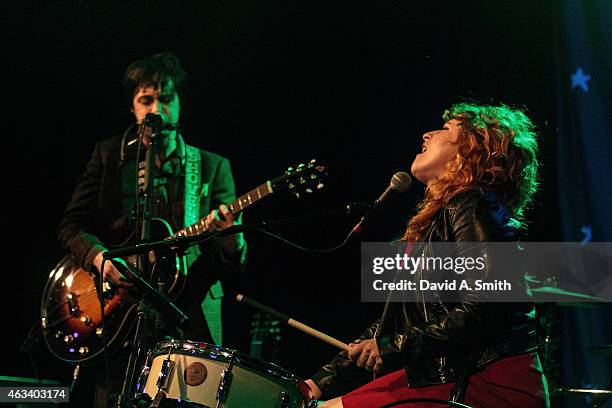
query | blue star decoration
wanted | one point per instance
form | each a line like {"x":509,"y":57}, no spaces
{"x":580,"y":80}
{"x":587,"y":234}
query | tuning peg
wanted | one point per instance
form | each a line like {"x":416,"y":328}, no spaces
{"x":320,"y":186}
{"x":309,"y":190}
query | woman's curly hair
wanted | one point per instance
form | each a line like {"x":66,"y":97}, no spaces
{"x":497,"y":149}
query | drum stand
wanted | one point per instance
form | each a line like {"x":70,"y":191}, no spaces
{"x":140,"y":343}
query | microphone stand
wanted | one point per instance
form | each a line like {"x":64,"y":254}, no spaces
{"x":149,"y":129}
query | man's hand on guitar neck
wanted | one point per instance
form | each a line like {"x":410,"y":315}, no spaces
{"x":111,"y":274}
{"x":231,"y":244}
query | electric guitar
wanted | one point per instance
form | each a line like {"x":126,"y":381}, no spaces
{"x":71,"y":316}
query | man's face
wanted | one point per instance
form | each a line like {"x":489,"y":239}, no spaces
{"x":438,"y":149}
{"x":162,"y":100}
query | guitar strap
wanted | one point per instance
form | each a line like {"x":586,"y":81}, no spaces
{"x":194,"y":190}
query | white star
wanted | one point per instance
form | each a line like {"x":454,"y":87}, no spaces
{"x":580,"y":80}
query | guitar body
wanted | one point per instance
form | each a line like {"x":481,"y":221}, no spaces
{"x":72,"y":317}
{"x":71,"y":312}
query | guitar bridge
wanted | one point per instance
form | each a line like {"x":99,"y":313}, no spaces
{"x":73,"y":306}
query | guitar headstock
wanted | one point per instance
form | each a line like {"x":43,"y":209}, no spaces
{"x":303,"y":178}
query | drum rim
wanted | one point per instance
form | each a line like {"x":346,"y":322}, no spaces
{"x":240,"y":359}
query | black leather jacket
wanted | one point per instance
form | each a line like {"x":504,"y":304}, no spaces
{"x":439,"y":342}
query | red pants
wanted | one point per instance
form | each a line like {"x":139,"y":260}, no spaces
{"x":516,"y":382}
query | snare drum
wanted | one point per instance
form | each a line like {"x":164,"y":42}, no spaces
{"x":201,"y":373}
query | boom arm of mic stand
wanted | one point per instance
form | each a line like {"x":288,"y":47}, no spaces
{"x":157,"y":299}
{"x":179,"y":242}
{"x":182,"y":242}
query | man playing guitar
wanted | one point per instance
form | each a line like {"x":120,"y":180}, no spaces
{"x":190,"y":184}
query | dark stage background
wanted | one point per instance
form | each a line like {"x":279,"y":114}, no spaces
{"x":354,"y":84}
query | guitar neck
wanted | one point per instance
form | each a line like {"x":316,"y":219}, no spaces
{"x":236,"y":206}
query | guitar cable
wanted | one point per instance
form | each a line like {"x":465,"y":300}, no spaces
{"x":105,"y":345}
{"x":28,"y":348}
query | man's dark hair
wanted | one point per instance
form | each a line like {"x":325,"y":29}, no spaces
{"x":155,"y":71}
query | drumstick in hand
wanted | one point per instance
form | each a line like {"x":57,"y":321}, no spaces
{"x":293,"y":323}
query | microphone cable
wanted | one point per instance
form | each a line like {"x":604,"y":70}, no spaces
{"x":302,"y":248}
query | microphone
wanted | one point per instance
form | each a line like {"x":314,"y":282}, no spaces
{"x":150,"y":126}
{"x":154,"y":120}
{"x":400,"y":183}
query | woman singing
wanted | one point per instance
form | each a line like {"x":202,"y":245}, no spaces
{"x":480,"y":172}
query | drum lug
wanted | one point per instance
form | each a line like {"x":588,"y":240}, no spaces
{"x":285,"y":399}
{"x":312,"y":404}
{"x":144,"y":374}
{"x":164,"y":374}
{"x":162,"y":381}
{"x":226,"y":379}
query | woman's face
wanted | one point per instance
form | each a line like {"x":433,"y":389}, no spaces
{"x":439,"y":148}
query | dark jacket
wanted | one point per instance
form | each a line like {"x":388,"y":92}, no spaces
{"x":438,"y":341}
{"x":99,"y":215}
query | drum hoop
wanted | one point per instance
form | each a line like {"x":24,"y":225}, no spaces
{"x":223,"y":354}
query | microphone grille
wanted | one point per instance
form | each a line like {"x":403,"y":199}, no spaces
{"x":401,"y":182}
